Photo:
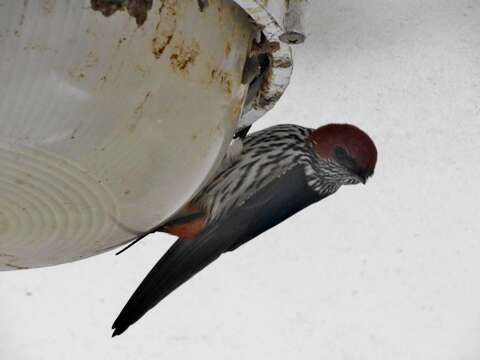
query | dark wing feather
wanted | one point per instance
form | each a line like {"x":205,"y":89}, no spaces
{"x":271,"y":205}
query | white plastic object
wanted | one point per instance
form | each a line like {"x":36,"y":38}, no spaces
{"x":294,"y":22}
{"x":105,"y":122}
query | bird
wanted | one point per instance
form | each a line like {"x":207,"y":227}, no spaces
{"x":279,"y":171}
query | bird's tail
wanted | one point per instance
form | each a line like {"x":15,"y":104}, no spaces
{"x":183,"y":260}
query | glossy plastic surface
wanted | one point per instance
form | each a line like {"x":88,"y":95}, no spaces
{"x":105,"y":122}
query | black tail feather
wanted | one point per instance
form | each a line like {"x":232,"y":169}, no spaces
{"x":183,"y":260}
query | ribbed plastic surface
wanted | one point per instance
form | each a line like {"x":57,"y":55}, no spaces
{"x":104,"y":122}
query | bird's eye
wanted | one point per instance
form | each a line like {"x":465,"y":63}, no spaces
{"x":344,"y":158}
{"x":341,"y":153}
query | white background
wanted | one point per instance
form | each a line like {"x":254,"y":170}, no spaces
{"x":389,"y":270}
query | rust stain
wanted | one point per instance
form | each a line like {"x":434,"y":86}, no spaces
{"x":138,"y":112}
{"x":158,"y":46}
{"x":92,"y":59}
{"x":183,"y":56}
{"x":76,"y":74}
{"x":74,"y":134}
{"x":143,"y":71}
{"x":165,"y":28}
{"x":265,"y":47}
{"x":16,"y":267}
{"x":282,"y":63}
{"x":121,"y":41}
{"x":268,"y":102}
{"x":223,"y":78}
{"x":91,"y":33}
{"x":235,"y":112}
{"x":228,"y":49}
{"x":137,"y":9}
{"x":139,"y":109}
{"x":107,"y":7}
{"x":17,"y":32}
{"x":202,"y":4}
{"x":22,"y":15}
{"x":11,"y":258}
{"x":47,"y":6}
{"x":220,"y":10}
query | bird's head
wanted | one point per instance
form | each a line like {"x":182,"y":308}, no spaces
{"x":350,"y":152}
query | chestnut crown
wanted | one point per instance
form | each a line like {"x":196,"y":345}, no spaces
{"x":348,"y":146}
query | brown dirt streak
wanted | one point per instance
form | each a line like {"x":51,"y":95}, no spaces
{"x":137,"y":9}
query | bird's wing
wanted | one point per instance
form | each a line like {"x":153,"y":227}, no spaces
{"x":271,"y":205}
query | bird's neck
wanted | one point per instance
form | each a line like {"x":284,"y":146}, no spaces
{"x":320,"y":174}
